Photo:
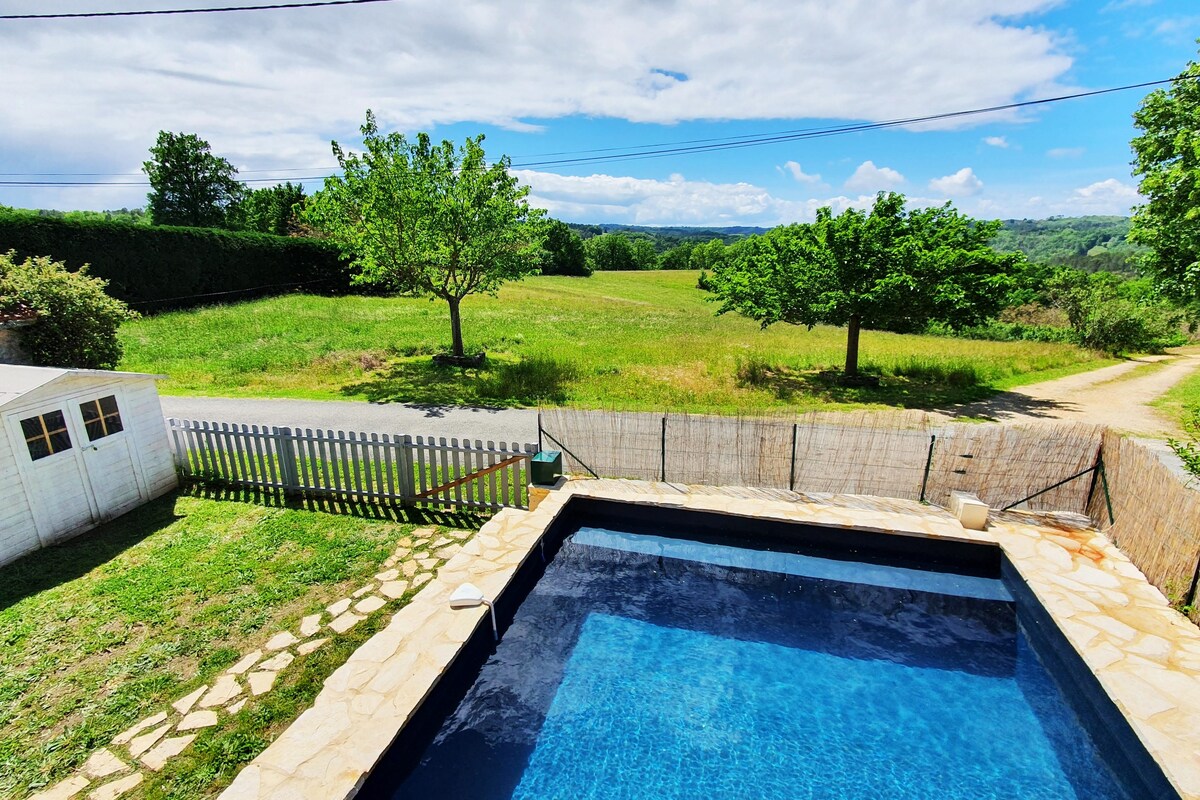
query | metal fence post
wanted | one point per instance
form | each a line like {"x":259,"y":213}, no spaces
{"x":928,"y":464}
{"x":792,"y":475}
{"x":287,"y":461}
{"x":540,"y":448}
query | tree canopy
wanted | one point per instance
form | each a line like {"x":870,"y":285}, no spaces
{"x":188,"y":184}
{"x":888,"y":268}
{"x":273,"y":209}
{"x":1167,"y":157}
{"x":564,"y":251}
{"x":429,"y":220}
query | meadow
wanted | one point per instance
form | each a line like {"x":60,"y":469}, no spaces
{"x":637,"y":341}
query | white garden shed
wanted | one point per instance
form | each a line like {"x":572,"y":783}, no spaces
{"x":77,"y":448}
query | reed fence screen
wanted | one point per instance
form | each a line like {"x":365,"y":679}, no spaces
{"x":909,"y":455}
{"x":356,"y":467}
{"x":1155,"y":519}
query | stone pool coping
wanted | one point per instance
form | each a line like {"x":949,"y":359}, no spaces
{"x":1144,"y":654}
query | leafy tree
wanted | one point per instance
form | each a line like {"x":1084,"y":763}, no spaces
{"x":620,"y":251}
{"x":429,"y":220}
{"x":564,"y":251}
{"x":273,"y":209}
{"x":77,"y":322}
{"x":189,"y":185}
{"x":887,"y":269}
{"x":678,"y":257}
{"x":1167,"y":157}
{"x":1111,"y":314}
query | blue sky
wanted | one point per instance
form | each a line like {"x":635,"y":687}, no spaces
{"x":269,"y":89}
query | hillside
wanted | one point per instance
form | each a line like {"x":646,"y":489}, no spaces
{"x":1092,"y":244}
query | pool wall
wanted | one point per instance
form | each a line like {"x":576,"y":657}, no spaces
{"x":1141,"y":652}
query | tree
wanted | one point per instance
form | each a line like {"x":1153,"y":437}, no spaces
{"x":429,"y":220}
{"x":887,"y":269}
{"x":269,"y":210}
{"x":1167,"y":157}
{"x":189,"y":185}
{"x":1109,"y":313}
{"x":564,"y":251}
{"x":77,"y":322}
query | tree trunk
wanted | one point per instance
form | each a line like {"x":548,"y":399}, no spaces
{"x":455,"y":326}
{"x":852,"y":346}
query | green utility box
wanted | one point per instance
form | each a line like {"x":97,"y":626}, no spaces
{"x":545,"y":467}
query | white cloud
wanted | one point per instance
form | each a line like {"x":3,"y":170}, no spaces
{"x":996,"y":141}
{"x":793,"y":169}
{"x":870,"y":178}
{"x":1105,"y":197}
{"x":1065,"y":152}
{"x":269,"y":89}
{"x":964,"y":183}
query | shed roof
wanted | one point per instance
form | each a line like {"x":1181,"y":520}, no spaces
{"x":16,"y":380}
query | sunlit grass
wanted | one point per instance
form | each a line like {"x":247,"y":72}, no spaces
{"x":615,"y":340}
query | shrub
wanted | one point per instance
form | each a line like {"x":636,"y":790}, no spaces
{"x":165,"y":267}
{"x":77,"y":322}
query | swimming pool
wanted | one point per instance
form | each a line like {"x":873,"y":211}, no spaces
{"x":675,"y":658}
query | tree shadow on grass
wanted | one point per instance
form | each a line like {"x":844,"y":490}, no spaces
{"x":462,"y":520}
{"x":893,"y":390}
{"x":46,"y":568}
{"x":497,"y":384}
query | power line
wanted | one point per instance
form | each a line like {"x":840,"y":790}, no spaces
{"x":166,"y":11}
{"x":639,"y":152}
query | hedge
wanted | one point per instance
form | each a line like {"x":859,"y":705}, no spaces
{"x":157,"y":267}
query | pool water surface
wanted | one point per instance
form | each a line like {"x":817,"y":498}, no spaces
{"x":642,"y":666}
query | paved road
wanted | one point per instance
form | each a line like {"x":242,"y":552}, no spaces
{"x":489,"y":424}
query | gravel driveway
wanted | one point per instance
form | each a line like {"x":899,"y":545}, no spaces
{"x":488,"y":424}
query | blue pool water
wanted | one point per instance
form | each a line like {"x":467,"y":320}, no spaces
{"x":642,"y":667}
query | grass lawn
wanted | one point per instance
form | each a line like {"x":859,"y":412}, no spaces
{"x":646,"y":340}
{"x":1181,"y":398}
{"x":110,"y":627}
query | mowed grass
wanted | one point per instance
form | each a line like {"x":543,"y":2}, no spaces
{"x":647,"y":341}
{"x":110,"y":627}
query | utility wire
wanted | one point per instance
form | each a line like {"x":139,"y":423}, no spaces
{"x":639,"y":152}
{"x":166,"y":11}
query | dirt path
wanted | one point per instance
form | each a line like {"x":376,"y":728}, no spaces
{"x":1117,"y":396}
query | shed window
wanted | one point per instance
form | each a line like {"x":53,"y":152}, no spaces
{"x":101,"y":417}
{"x":46,"y":435}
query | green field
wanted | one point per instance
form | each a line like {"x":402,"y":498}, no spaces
{"x":645,"y":340}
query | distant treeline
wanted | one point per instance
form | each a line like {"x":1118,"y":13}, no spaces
{"x":1089,"y":244}
{"x":154,"y":267}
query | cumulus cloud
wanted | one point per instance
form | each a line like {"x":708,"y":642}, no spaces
{"x":996,"y":141}
{"x":964,"y":183}
{"x":793,"y":169}
{"x":270,"y":89}
{"x":1105,"y":197}
{"x":870,"y":178}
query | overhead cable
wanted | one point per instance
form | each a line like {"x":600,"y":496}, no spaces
{"x":169,"y":11}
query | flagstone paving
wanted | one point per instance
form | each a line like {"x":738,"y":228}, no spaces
{"x":117,"y":769}
{"x":1145,"y":654}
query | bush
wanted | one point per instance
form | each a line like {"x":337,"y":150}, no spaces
{"x":164,"y":267}
{"x":1121,"y":326}
{"x":77,"y":322}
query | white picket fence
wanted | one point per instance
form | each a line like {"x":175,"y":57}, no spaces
{"x":361,"y":467}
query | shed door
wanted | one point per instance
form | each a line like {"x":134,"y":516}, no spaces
{"x":47,"y":449}
{"x":105,"y":445}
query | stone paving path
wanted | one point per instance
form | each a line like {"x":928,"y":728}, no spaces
{"x":114,"y":770}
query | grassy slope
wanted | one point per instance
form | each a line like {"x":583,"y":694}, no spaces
{"x":112,"y":626}
{"x":620,"y":340}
